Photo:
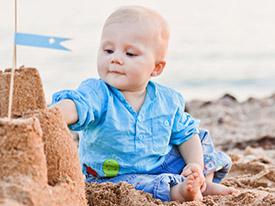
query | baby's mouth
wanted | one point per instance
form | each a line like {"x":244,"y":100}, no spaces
{"x":114,"y":69}
{"x":116,"y":72}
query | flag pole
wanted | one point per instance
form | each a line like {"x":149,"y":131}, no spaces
{"x":14,"y":62}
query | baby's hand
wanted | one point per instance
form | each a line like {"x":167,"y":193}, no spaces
{"x":193,"y":168}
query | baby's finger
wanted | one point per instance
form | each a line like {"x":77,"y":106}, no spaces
{"x":195,"y":174}
{"x":186,"y":172}
{"x":203,"y":187}
{"x":202,"y":177}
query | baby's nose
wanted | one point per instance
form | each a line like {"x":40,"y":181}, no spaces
{"x":116,"y":60}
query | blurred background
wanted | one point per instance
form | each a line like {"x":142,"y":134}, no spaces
{"x":216,"y":46}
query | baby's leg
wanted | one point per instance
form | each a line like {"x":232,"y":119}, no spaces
{"x":216,"y":165}
{"x":188,"y":190}
{"x":213,"y":188}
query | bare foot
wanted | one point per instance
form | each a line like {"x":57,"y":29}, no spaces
{"x":218,"y":189}
{"x":188,"y":190}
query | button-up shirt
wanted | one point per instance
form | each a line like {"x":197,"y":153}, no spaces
{"x":115,"y":139}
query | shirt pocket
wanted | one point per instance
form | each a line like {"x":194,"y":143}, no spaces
{"x":161,"y":130}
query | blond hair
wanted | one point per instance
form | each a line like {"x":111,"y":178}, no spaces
{"x":140,"y":14}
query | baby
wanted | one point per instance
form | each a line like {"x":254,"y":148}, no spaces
{"x":133,"y":129}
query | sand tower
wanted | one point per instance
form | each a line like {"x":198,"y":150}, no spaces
{"x":28,"y":92}
{"x":39,"y":164}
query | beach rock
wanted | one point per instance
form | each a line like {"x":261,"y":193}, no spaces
{"x":237,"y":124}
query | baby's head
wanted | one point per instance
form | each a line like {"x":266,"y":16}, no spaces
{"x":133,"y":46}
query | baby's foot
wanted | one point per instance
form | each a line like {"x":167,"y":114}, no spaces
{"x":218,"y":189}
{"x":188,"y":190}
{"x":192,"y":168}
{"x":192,"y":190}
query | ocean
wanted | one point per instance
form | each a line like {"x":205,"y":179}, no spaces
{"x":216,"y":46}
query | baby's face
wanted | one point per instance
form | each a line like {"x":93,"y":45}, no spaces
{"x":126,"y":57}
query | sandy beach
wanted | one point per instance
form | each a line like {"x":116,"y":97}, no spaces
{"x":245,"y":131}
{"x":37,"y":149}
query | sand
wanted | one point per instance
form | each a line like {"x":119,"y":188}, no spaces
{"x":39,"y":163}
{"x":28,"y":91}
{"x":245,"y":131}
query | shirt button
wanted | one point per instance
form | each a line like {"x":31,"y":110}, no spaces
{"x":166,"y":123}
{"x":140,"y":136}
{"x":139,"y":118}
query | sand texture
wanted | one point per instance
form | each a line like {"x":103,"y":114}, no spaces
{"x":28,"y":91}
{"x":39,"y":164}
{"x":245,"y":131}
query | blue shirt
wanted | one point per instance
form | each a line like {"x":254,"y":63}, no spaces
{"x":114,"y":139}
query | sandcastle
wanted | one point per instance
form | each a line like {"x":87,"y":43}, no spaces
{"x":39,"y":164}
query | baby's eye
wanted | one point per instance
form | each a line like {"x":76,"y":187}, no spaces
{"x":131,"y":54}
{"x":108,"y":51}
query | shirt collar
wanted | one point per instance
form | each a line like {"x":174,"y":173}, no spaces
{"x":151,"y":91}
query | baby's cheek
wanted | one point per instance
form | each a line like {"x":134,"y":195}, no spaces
{"x":137,"y":73}
{"x":102,"y":69}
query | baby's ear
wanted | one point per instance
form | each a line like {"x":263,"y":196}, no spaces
{"x":158,"y":68}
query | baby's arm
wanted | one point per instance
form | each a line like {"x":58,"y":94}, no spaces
{"x":191,"y":151}
{"x":68,"y":110}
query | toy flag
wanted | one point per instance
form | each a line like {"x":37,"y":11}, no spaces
{"x":35,"y":40}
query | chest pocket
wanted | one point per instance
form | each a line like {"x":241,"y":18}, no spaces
{"x":161,"y":129}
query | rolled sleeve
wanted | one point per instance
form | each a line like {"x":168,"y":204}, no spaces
{"x":184,"y":127}
{"x":89,"y":103}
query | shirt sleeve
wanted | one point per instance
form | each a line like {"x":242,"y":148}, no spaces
{"x":184,"y":127}
{"x":89,"y":99}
